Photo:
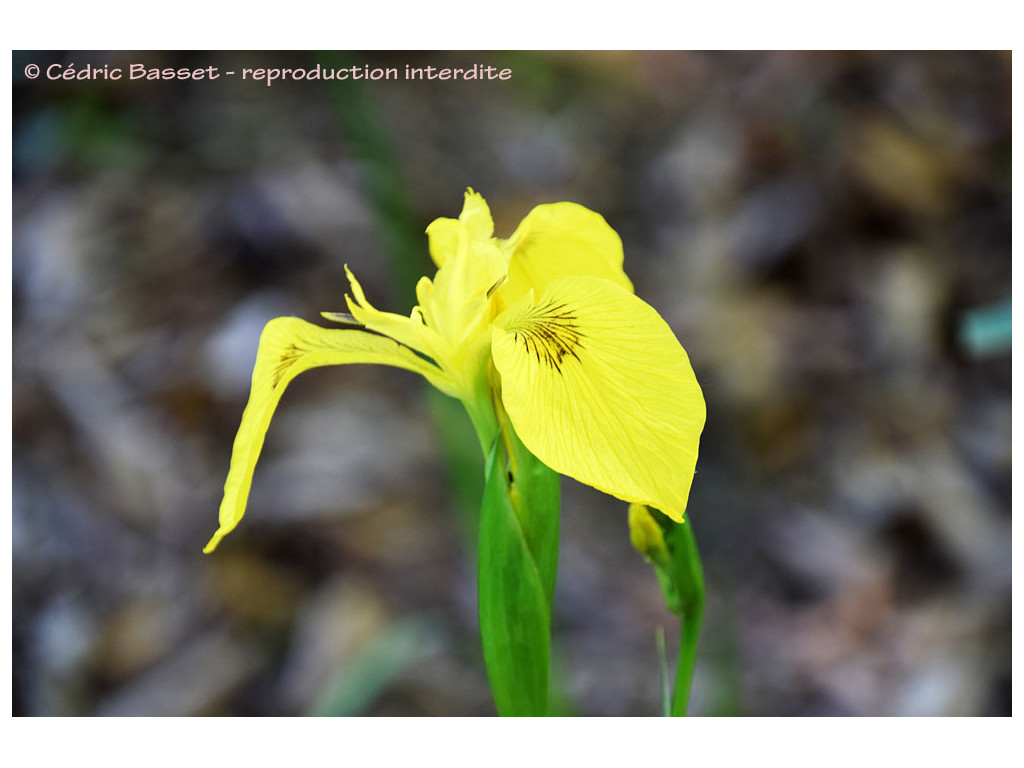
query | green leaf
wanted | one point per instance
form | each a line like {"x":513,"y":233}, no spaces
{"x":518,"y":556}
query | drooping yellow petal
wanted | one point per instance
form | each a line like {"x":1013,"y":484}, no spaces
{"x":559,"y":240}
{"x":289,"y":346}
{"x":598,"y":388}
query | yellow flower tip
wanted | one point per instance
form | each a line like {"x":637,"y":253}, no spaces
{"x":676,"y":516}
{"x":212,"y":544}
{"x":476,"y":216}
{"x":357,"y":289}
{"x":645,"y":533}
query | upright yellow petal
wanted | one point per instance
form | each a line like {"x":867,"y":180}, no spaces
{"x":408,"y":331}
{"x":449,"y":238}
{"x":289,"y":346}
{"x":446,"y":239}
{"x":599,"y":388}
{"x":476,"y":216}
{"x":559,"y":240}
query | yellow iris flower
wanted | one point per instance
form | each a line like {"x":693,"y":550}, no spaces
{"x":544,"y":323}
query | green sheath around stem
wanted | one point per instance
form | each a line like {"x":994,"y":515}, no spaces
{"x":517,"y":563}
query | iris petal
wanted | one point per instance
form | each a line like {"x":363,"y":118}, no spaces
{"x":598,"y":388}
{"x":289,"y":346}
{"x":559,"y":240}
{"x":476,"y":216}
{"x":449,"y":238}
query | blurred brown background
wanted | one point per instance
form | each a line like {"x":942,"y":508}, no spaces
{"x":828,"y":234}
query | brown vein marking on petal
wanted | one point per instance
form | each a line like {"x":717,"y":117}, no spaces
{"x":288,"y":356}
{"x":550,"y":333}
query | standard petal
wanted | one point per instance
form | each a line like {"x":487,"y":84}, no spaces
{"x":598,"y":388}
{"x":448,"y":238}
{"x":289,"y":346}
{"x":559,"y":240}
{"x":476,"y":216}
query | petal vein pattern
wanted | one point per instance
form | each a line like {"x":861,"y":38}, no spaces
{"x":612,"y":400}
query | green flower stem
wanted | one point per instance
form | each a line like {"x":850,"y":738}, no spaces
{"x":485,"y":421}
{"x":689,"y":633}
{"x":687,"y":575}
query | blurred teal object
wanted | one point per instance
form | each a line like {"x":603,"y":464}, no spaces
{"x":987,"y":330}
{"x":358,"y":684}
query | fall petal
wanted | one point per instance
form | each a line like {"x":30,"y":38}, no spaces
{"x":289,"y":346}
{"x":598,"y":388}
